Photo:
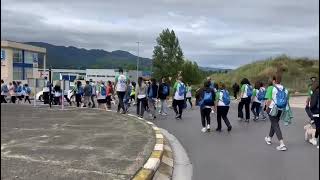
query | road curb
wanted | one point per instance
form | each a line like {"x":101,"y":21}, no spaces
{"x":152,"y":164}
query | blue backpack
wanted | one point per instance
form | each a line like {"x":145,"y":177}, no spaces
{"x":249,"y":90}
{"x":150,"y":91}
{"x":225,"y":97}
{"x":261,"y":95}
{"x":19,"y":89}
{"x":5,"y":89}
{"x":206,"y":99}
{"x":165,"y":90}
{"x":181,"y":90}
{"x":281,"y":98}
{"x":80,"y":90}
{"x":103,"y":91}
{"x":28,"y":90}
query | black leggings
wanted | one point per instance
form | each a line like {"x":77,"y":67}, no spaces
{"x":244,"y":102}
{"x":189,"y":99}
{"x":26,"y":98}
{"x":3,"y":99}
{"x":180,"y":104}
{"x":141,"y":106}
{"x":13,"y":99}
{"x":222,"y":112}
{"x":78,"y":99}
{"x":317,"y":122}
{"x":255,"y":108}
{"x":108,"y":99}
{"x":205,"y":116}
{"x":120,"y":104}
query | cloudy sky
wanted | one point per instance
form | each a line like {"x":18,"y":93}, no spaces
{"x":214,"y":33}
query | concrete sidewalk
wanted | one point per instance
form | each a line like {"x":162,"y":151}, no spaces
{"x":39,"y":143}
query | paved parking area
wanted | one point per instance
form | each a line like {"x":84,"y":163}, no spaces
{"x":39,"y":143}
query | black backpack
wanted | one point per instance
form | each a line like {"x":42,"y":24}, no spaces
{"x":314,"y":104}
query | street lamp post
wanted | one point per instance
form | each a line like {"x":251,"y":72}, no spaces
{"x":138,"y":62}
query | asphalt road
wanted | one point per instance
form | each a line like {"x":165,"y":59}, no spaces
{"x":243,"y":154}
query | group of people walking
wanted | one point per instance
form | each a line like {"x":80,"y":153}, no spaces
{"x":17,"y":91}
{"x":270,"y":99}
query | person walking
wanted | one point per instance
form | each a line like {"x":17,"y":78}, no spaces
{"x":206,"y":98}
{"x":163,"y":93}
{"x":277,"y":101}
{"x":222,"y":106}
{"x":257,"y":96}
{"x":93,"y":93}
{"x":133,"y":92}
{"x":27,"y":93}
{"x":141,"y":97}
{"x":12,"y":91}
{"x":314,"y":108}
{"x":19,"y":92}
{"x":78,"y":90}
{"x":261,"y":97}
{"x":46,"y":90}
{"x":57,"y":94}
{"x":179,"y":97}
{"x":152,"y":92}
{"x":101,"y":95}
{"x":4,"y":92}
{"x":236,"y":89}
{"x":126,"y":98}
{"x":245,"y":95}
{"x":121,"y":88}
{"x":189,"y":94}
{"x":109,"y":94}
{"x":87,"y":94}
{"x":310,"y":92}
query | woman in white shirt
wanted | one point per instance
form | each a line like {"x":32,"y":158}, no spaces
{"x":222,"y":106}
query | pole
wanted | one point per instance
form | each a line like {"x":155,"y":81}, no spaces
{"x":50,"y":87}
{"x":62,"y":95}
{"x":35,"y":92}
{"x":138,"y":62}
{"x":44,"y":63}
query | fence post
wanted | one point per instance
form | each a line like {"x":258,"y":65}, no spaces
{"x":62,"y":95}
{"x":35,"y":93}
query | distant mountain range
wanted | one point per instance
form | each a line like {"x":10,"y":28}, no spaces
{"x":76,"y":58}
{"x":214,"y":69}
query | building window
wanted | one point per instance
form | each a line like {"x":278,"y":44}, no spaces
{"x":17,"y":56}
{"x":30,"y":57}
{"x":28,"y":73}
{"x":17,"y":73}
{"x":91,"y":76}
{"x":101,"y":76}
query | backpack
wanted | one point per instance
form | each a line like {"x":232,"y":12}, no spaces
{"x":225,"y":97}
{"x":207,"y":98}
{"x":182,"y":89}
{"x":249,"y":90}
{"x":150,"y":91}
{"x":80,"y":90}
{"x":314,"y":108}
{"x":28,"y":90}
{"x":19,"y":89}
{"x":5,"y":88}
{"x":281,"y":98}
{"x":103,"y":91}
{"x":165,"y":90}
{"x":261,"y":94}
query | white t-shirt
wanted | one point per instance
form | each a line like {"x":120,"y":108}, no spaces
{"x":45,"y":88}
{"x":244,"y":95}
{"x":176,"y":95}
{"x":93,"y":88}
{"x":274,"y":94}
{"x":121,"y":83}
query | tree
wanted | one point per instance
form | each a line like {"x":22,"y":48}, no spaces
{"x":167,"y":55}
{"x":191,"y":72}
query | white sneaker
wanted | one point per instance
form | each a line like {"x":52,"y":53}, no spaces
{"x":318,"y":147}
{"x":313,"y":141}
{"x":208,"y":127}
{"x":164,"y":114}
{"x":204,"y":130}
{"x":268,"y":140}
{"x":282,"y":147}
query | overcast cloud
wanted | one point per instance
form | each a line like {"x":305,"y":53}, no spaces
{"x":215,"y":33}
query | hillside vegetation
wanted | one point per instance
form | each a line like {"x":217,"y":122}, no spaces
{"x":297,"y":72}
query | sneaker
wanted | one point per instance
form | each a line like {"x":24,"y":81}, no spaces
{"x":208,"y":127}
{"x":160,"y":113}
{"x":229,"y":128}
{"x":164,"y":114}
{"x":282,"y":147}
{"x":241,"y":119}
{"x":218,"y":130}
{"x":313,"y":141}
{"x":318,"y":147}
{"x":247,"y":120}
{"x":268,"y":140}
{"x":204,"y":130}
{"x":264,"y":118}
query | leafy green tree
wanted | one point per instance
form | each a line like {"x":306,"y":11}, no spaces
{"x":167,"y":55}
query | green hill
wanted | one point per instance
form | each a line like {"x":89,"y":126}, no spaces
{"x":297,"y":72}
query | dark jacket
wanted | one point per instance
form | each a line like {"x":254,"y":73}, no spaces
{"x":236,"y":88}
{"x":200,"y":94}
{"x":314,"y":103}
{"x":87,"y":90}
{"x":154,"y":88}
{"x":160,"y":92}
